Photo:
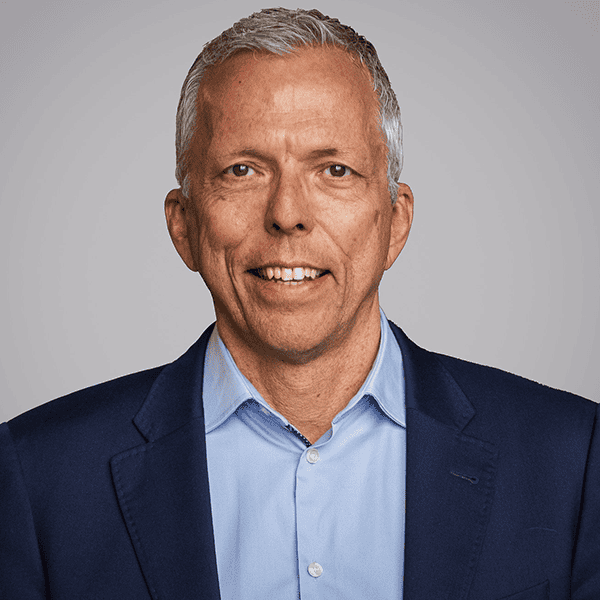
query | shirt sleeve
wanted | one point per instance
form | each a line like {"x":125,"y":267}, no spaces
{"x":21,"y":570}
{"x":585,"y":582}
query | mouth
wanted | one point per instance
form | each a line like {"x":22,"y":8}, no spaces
{"x":288,"y":275}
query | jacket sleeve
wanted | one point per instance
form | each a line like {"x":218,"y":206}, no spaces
{"x":585,"y":581}
{"x":21,"y":570}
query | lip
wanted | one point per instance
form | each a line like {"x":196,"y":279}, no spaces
{"x":286,"y":265}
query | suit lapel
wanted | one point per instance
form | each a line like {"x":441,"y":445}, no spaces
{"x":162,"y":486}
{"x":449,"y":481}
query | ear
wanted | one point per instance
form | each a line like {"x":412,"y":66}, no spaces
{"x":402,"y":216}
{"x":179,"y":223}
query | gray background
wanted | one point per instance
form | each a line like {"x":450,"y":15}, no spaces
{"x":500,"y":108}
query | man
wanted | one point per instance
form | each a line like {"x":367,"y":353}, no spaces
{"x":308,"y":416}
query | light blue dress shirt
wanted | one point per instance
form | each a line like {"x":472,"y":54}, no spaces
{"x":320,"y":522}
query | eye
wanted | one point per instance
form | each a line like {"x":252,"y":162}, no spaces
{"x":338,"y":171}
{"x":239,"y":170}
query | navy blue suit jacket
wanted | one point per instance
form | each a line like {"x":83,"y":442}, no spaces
{"x":104,"y":493}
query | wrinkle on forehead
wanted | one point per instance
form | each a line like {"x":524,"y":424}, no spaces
{"x":243,"y":77}
{"x":347,"y":64}
{"x":333,"y":82}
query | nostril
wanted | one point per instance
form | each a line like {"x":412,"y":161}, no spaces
{"x":299,"y":227}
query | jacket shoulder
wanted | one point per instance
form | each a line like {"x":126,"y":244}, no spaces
{"x":513,"y":410}
{"x":504,"y":405}
{"x":90,"y":410}
{"x":476,"y":380}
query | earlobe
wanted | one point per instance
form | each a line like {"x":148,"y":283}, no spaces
{"x":402,"y":216}
{"x":179,"y":227}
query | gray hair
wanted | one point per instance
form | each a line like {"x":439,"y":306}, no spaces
{"x":280,"y":31}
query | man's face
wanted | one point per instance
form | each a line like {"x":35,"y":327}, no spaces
{"x":289,"y":221}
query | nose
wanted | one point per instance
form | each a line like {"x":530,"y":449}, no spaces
{"x":289,"y":210}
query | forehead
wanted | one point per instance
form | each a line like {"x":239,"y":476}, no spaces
{"x":301,"y":91}
{"x":327,"y":63}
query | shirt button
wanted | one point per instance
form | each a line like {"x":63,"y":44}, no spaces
{"x":312,"y":456}
{"x":315,"y":569}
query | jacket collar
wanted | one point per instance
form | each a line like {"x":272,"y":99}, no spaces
{"x":176,"y":396}
{"x":430,"y":389}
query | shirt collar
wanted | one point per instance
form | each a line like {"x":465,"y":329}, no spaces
{"x":225,"y":388}
{"x":385,"y":381}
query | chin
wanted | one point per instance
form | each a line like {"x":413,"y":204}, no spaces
{"x":297,"y":346}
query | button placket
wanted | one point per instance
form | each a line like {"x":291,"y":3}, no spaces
{"x":310,"y":505}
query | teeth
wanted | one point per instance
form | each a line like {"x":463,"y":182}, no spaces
{"x":292,"y":275}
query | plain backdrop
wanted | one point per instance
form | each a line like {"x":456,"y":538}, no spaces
{"x":501,"y":130}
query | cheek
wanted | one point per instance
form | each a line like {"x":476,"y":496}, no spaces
{"x":222,"y":227}
{"x":362,"y":237}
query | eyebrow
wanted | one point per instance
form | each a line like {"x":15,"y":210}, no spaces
{"x":243,"y":152}
{"x":312,"y":155}
{"x":324,"y":152}
{"x":319,"y":153}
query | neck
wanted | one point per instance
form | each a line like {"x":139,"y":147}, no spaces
{"x":310,"y":394}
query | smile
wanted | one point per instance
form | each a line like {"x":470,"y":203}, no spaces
{"x":288,"y":275}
